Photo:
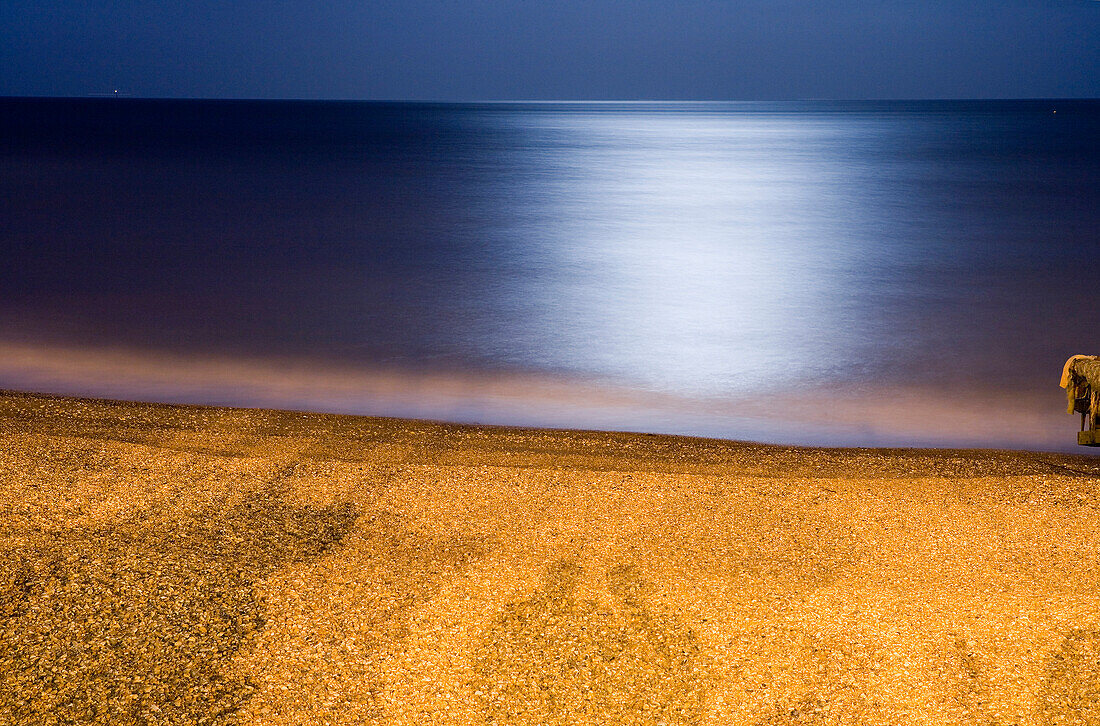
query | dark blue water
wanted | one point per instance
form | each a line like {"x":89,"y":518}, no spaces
{"x":857,"y":273}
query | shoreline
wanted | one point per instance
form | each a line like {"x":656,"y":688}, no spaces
{"x":1080,"y":452}
{"x":839,"y":414}
{"x":254,"y":566}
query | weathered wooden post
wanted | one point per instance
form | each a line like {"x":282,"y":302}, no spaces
{"x":1081,"y":379}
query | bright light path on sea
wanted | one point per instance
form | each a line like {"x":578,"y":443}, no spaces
{"x":699,"y":253}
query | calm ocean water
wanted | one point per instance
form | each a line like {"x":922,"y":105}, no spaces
{"x":859,"y":273}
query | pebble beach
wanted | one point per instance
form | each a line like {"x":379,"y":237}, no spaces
{"x":190,"y":565}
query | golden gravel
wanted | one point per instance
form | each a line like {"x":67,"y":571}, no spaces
{"x":187,"y":565}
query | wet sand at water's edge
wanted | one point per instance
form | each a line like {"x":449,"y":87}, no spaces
{"x":187,"y":565}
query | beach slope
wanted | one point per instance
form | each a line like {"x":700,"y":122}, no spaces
{"x":178,"y":564}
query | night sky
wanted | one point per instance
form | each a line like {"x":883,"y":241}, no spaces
{"x":566,"y":49}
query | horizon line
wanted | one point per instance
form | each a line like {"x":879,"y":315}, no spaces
{"x":132,"y":97}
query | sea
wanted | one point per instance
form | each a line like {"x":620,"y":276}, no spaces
{"x":910,"y":273}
